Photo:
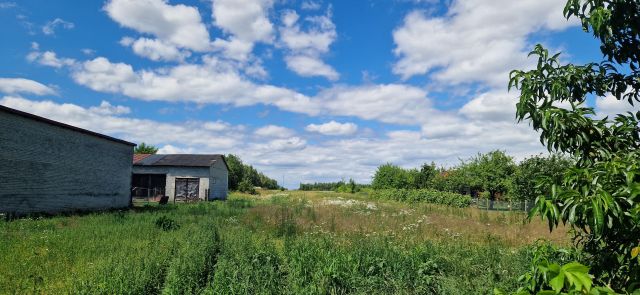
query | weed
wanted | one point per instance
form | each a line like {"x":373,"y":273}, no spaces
{"x":166,"y":224}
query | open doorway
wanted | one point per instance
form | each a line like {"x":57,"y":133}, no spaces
{"x":148,"y":187}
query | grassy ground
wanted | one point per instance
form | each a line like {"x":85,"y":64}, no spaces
{"x":279,"y":242}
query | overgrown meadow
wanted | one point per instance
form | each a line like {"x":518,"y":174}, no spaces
{"x":275,"y":243}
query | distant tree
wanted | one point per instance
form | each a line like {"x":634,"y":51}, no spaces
{"x":339,"y":186}
{"x":321,"y":186}
{"x":534,"y":175}
{"x":144,"y":148}
{"x":352,"y":186}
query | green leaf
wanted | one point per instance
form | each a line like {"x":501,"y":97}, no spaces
{"x":557,"y":282}
{"x":598,"y":218}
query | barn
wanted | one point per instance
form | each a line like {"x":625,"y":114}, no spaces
{"x":181,"y":177}
{"x":49,"y":167}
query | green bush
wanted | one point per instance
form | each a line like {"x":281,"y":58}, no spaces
{"x":423,"y":195}
{"x":247,"y":187}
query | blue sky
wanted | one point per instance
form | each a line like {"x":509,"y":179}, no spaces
{"x":306,"y":89}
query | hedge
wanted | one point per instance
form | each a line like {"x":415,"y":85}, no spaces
{"x":423,"y":195}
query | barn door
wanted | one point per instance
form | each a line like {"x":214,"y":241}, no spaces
{"x":187,"y":189}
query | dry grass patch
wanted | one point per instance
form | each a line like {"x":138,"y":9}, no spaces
{"x":345,"y":214}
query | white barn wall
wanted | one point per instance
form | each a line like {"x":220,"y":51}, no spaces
{"x":219,"y":180}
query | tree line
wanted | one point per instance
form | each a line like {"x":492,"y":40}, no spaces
{"x":243,"y":177}
{"x":490,"y":175}
{"x":339,"y":186}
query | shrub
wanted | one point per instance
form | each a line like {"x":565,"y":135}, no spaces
{"x":423,"y":195}
{"x":246,"y":187}
{"x":390,"y":176}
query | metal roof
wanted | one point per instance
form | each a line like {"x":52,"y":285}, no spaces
{"x":62,"y":125}
{"x":187,"y":160}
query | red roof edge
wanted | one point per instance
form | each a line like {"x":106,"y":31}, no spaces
{"x":139,"y":157}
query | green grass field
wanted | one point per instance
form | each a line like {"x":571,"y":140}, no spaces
{"x":276,"y":243}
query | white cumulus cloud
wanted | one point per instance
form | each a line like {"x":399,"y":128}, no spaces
{"x":333,"y":128}
{"x":21,"y":85}
{"x":492,"y":106}
{"x":179,"y":24}
{"x":245,"y":22}
{"x":308,"y":66}
{"x":155,"y":49}
{"x":475,"y":41}
{"x":49,"y":58}
{"x":610,"y":106}
{"x":106,"y":108}
{"x":306,"y":46}
{"x":274,"y":131}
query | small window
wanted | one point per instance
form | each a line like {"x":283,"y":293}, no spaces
{"x":213,"y":180}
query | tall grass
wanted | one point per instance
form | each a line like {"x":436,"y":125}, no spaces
{"x":108,"y":253}
{"x":282,"y":245}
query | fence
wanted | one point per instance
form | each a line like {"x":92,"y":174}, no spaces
{"x":143,"y":194}
{"x":499,"y":205}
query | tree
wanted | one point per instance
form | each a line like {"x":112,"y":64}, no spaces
{"x":236,"y":171}
{"x":352,"y":186}
{"x":144,"y":148}
{"x":492,"y":172}
{"x":426,"y":175}
{"x":239,"y":172}
{"x":391,"y":176}
{"x":599,"y":196}
{"x":458,"y":180}
{"x":534,"y":173}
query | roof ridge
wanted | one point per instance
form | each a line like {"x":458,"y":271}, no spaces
{"x":62,"y":125}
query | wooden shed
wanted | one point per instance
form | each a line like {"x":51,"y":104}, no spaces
{"x":48,"y":166}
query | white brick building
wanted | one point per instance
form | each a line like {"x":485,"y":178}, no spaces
{"x":181,"y":177}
